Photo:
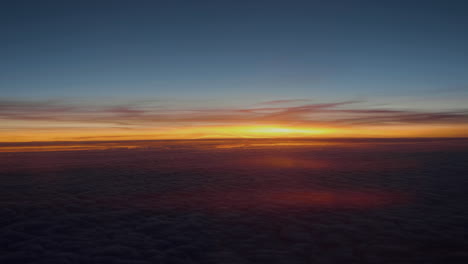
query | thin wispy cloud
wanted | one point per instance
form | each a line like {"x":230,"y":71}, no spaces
{"x":286,"y":101}
{"x":331,"y":113}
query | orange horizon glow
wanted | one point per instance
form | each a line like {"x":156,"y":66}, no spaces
{"x":231,"y":131}
{"x":67,"y":121}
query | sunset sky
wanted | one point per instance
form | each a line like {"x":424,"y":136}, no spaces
{"x":96,"y":70}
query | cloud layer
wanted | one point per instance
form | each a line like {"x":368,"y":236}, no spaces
{"x":184,"y":203}
{"x":284,"y":112}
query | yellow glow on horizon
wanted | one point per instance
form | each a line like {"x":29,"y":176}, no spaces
{"x":269,"y":131}
{"x":286,"y":131}
{"x":195,"y":132}
{"x":82,"y":132}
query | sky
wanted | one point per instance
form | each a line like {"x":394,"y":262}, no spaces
{"x":74,"y":70}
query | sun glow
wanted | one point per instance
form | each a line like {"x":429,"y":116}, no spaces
{"x":273,"y":131}
{"x":83,"y":132}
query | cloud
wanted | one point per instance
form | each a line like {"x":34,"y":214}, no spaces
{"x":184,"y":203}
{"x":286,"y":101}
{"x":327,"y":113}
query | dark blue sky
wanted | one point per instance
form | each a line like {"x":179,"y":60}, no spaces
{"x":237,"y":51}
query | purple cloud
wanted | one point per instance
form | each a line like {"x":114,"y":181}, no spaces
{"x":332,"y":113}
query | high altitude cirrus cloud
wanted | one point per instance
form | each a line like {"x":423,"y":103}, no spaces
{"x":344,"y":112}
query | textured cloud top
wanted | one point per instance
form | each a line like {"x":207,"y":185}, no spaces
{"x":268,"y":201}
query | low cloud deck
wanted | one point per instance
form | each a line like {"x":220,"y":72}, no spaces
{"x":235,"y":201}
